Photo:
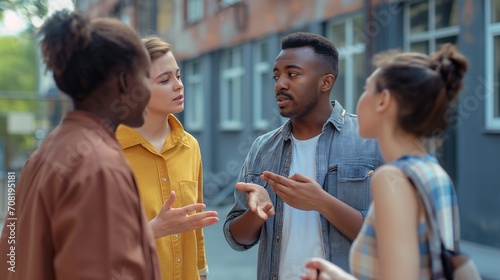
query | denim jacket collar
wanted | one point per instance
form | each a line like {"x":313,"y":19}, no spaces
{"x":336,"y":119}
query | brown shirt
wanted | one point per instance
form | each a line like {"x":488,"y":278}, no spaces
{"x":77,"y":213}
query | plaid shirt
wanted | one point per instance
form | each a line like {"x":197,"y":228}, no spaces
{"x":363,"y":256}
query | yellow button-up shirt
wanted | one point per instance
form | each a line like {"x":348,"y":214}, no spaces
{"x":178,"y":168}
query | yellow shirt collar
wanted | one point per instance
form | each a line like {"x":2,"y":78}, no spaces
{"x":129,"y":137}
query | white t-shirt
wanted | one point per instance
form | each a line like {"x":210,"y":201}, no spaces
{"x":301,"y":235}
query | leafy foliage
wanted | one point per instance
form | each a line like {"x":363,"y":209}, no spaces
{"x":18,"y":67}
{"x":18,"y":76}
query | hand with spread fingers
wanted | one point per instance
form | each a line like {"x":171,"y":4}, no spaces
{"x":297,"y":190}
{"x":177,"y":220}
{"x":321,"y":269}
{"x":258,"y":199}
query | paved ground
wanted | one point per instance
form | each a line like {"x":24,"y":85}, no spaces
{"x":225,"y":263}
{"x":487,"y":259}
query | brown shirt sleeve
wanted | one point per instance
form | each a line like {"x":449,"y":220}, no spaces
{"x":95,"y":228}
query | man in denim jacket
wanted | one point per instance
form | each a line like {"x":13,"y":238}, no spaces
{"x":304,"y":188}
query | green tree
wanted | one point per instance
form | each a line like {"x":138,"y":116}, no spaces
{"x":18,"y":63}
{"x":18,"y":76}
{"x":18,"y":72}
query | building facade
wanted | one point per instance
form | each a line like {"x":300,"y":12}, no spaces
{"x":226,"y":50}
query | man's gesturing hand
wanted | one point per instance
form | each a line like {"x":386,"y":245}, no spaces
{"x":297,"y":191}
{"x":258,"y":199}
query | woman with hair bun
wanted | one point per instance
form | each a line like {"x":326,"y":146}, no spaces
{"x":406,"y":101}
{"x":77,"y":212}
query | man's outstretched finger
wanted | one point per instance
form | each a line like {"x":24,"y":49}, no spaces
{"x":269,"y":210}
{"x":252,"y":203}
{"x":300,"y":178}
{"x":244,"y":187}
{"x":276,"y":180}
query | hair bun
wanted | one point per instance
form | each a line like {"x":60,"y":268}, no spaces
{"x":451,"y":65}
{"x":64,"y":34}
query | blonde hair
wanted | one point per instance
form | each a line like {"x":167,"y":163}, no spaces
{"x":156,"y":47}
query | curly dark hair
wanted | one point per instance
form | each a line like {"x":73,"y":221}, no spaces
{"x":83,"y":53}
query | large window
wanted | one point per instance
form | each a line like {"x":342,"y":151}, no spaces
{"x":228,"y":2}
{"x":430,"y":23}
{"x":262,"y":85}
{"x":231,"y":89}
{"x":493,"y":65}
{"x":347,"y":35}
{"x":193,"y":83}
{"x":194,"y":10}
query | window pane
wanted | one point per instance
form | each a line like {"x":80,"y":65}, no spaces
{"x":446,"y":13}
{"x":495,"y":10}
{"x":229,"y":59}
{"x":229,"y":2}
{"x":263,"y":52}
{"x":266,"y":89}
{"x":194,"y":10}
{"x":230,"y":99}
{"x":450,"y":39}
{"x":496,"y":78}
{"x":419,"y":17}
{"x":190,"y":108}
{"x":359,"y":78}
{"x":197,"y":105}
{"x":196,"y":68}
{"x":264,"y":93}
{"x":421,"y":47}
{"x":190,"y":104}
{"x":338,"y":34}
{"x":198,"y":101}
{"x":235,"y":94}
{"x":359,"y":36}
{"x":338,"y":91}
{"x":235,"y":58}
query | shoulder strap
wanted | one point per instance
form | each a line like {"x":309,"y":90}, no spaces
{"x":426,"y":194}
{"x":435,"y":242}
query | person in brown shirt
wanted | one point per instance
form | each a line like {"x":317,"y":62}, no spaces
{"x":76,"y":212}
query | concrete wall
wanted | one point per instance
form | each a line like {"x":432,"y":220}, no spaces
{"x":224,"y":27}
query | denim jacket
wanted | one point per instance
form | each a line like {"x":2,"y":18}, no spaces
{"x":344,"y":164}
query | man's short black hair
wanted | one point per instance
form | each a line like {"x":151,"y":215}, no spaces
{"x":322,"y":47}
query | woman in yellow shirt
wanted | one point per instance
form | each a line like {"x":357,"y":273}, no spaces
{"x":167,"y":165}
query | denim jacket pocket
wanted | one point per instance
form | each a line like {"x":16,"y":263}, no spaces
{"x":254,"y":178}
{"x":354,"y":184}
